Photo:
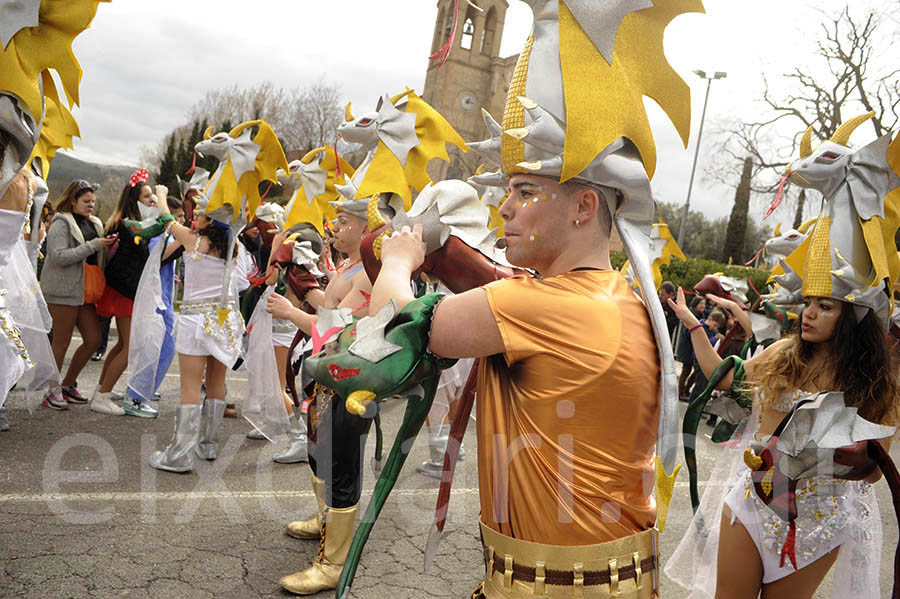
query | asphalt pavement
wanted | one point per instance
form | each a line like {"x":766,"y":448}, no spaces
{"x":83,"y":515}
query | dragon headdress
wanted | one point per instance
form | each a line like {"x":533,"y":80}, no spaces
{"x":850,"y":253}
{"x":575,"y":110}
{"x":402,"y":136}
{"x":663,"y":248}
{"x":246,"y":159}
{"x":232,"y":195}
{"x":314,"y":178}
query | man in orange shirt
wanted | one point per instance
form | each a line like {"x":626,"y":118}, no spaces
{"x":576,"y":386}
{"x":568,"y":389}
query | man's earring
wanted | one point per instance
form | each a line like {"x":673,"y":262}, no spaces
{"x":577,"y":223}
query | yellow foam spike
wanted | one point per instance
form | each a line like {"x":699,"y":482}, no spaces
{"x":665,"y":485}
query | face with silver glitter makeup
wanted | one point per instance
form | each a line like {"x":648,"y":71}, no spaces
{"x":534,"y":209}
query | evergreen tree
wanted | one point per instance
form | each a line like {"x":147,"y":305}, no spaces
{"x":167,"y":168}
{"x":183,"y":157}
{"x":737,"y":225}
{"x":207,"y":162}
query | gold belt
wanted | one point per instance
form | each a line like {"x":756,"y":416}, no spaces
{"x":283,"y":326}
{"x":204,"y":306}
{"x":625,"y":568}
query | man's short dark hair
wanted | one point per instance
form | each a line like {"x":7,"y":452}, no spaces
{"x":604,"y":218}
{"x":668,"y":287}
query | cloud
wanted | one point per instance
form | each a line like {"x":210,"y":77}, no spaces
{"x":146,"y":62}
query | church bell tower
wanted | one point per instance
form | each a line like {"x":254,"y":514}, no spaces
{"x":474,"y":75}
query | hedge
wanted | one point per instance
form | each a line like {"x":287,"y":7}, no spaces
{"x":688,"y":273}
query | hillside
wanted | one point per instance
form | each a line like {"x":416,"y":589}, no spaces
{"x":111,"y":178}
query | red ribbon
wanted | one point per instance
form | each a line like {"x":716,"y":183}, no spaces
{"x":777,"y":201}
{"x":193,"y":164}
{"x":337,"y":160}
{"x":444,"y":52}
{"x":755,"y":257}
{"x":752,"y":286}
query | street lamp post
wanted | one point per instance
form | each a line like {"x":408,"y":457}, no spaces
{"x":687,"y":203}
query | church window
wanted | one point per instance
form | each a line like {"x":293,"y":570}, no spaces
{"x":490,"y":32}
{"x":468,"y":33}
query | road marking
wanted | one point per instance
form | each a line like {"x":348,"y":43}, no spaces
{"x":185,"y":496}
{"x":188,"y":495}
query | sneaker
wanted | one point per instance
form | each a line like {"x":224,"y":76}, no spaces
{"x":55,"y":401}
{"x":104,"y":404}
{"x":156,"y":397}
{"x":431,"y":469}
{"x":134,"y":407}
{"x":98,"y":355}
{"x":71,"y":395}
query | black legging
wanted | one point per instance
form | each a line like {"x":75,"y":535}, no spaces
{"x":336,"y":448}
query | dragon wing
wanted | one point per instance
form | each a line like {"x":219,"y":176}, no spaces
{"x":57,"y":129}
{"x":31,"y":50}
{"x":874,"y":186}
{"x":598,"y":115}
{"x":828,"y":423}
{"x":255,"y":160}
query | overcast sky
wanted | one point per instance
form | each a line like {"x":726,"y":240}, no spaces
{"x":146,"y":62}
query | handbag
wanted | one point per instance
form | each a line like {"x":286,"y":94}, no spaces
{"x":94,"y":283}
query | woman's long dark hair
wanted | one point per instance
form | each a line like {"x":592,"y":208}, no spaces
{"x":217,"y":238}
{"x":860,"y":364}
{"x":127,"y":206}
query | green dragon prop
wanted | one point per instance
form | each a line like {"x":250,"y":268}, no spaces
{"x":375,"y":358}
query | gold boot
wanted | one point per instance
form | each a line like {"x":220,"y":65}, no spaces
{"x":312,"y":528}
{"x":323,"y":574}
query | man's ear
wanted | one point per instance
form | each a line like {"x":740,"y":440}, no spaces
{"x":587,"y":202}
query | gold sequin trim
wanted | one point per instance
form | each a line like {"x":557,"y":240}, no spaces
{"x":12,"y":333}
{"x":376,"y":245}
{"x":512,"y":149}
{"x":817,"y":270}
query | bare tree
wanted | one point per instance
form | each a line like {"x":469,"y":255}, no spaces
{"x":315,"y":116}
{"x":854,"y":75}
{"x":302,"y":118}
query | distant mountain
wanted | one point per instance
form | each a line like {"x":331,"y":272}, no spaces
{"x":65,"y":169}
{"x":112,"y":178}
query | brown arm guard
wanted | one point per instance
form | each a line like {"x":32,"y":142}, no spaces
{"x":457,"y":265}
{"x":300,"y":281}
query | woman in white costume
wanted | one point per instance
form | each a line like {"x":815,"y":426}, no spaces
{"x":740,"y":552}
{"x":202,"y":343}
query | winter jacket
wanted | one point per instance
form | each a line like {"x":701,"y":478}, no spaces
{"x":62,"y":277}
